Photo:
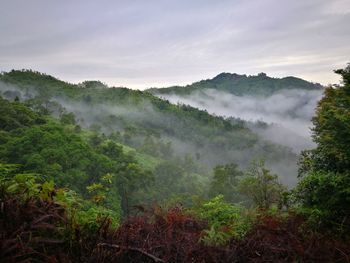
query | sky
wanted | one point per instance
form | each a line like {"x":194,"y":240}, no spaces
{"x":158,"y":43}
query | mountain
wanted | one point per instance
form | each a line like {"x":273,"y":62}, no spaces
{"x":148,"y":124}
{"x":285,"y":105}
{"x":239,"y":85}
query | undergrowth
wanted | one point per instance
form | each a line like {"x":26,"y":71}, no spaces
{"x":36,"y":230}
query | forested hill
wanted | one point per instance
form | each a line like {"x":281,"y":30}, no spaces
{"x":236,"y":84}
{"x":147,"y":123}
{"x":87,"y":175}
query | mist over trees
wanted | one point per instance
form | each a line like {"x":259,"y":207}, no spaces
{"x":154,"y":126}
{"x":277,"y":112}
{"x":91,"y":173}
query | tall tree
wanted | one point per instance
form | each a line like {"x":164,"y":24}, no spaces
{"x":332,"y":127}
{"x":261,"y":186}
{"x":225,"y":181}
{"x":324,"y":189}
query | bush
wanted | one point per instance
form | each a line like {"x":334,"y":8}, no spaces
{"x":225,"y":220}
{"x":326,"y":198}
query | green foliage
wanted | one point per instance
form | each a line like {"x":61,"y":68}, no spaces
{"x":51,"y":150}
{"x":7,"y":170}
{"x":324,"y":188}
{"x":236,"y":84}
{"x":261,"y":186}
{"x":225,"y":182}
{"x":156,"y":147}
{"x":165,"y":143}
{"x":15,"y":115}
{"x":47,"y":188}
{"x":79,"y":211}
{"x":111,"y":149}
{"x":225,"y":220}
{"x":24,"y":184}
{"x":68,"y":118}
{"x":105,"y":193}
{"x":218,"y":212}
{"x":60,"y":154}
{"x":138,"y":116}
{"x":98,"y":179}
{"x":176,"y":180}
{"x":331,"y":129}
{"x":169,"y":174}
{"x":326,"y":198}
{"x":214,"y":237}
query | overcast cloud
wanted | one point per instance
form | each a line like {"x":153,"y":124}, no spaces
{"x":141,"y":44}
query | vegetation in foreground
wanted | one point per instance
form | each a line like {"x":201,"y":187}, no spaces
{"x":38,"y":230}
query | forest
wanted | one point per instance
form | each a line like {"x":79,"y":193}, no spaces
{"x":92,"y":173}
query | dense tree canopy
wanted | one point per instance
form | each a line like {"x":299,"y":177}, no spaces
{"x":145,"y":122}
{"x":260,"y":84}
{"x":325,"y":183}
{"x":332,"y":126}
{"x":225,"y":182}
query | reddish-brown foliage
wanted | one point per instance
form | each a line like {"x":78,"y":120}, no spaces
{"x":169,"y":238}
{"x":175,"y":238}
{"x":286,"y":240}
{"x":30,"y":232}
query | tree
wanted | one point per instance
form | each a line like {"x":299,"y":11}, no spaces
{"x":324,"y":188}
{"x":261,"y":186}
{"x":225,"y":182}
{"x":68,"y":118}
{"x":111,"y":149}
{"x":331,"y":129}
{"x":168,"y":175}
{"x":166,"y":150}
{"x":130,"y":181}
{"x":150,"y":146}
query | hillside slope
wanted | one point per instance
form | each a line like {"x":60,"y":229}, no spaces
{"x":285,"y":105}
{"x":239,"y":85}
{"x":148,"y":123}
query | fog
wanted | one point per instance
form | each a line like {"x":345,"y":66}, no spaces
{"x":148,"y":120}
{"x":288,"y":113}
{"x":10,"y":92}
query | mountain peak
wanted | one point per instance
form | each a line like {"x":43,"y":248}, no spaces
{"x":260,"y":84}
{"x":224,"y":76}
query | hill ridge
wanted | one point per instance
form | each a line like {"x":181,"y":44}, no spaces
{"x":237,"y":84}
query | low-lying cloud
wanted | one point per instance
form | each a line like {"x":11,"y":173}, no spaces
{"x":285,"y":109}
{"x":288,"y":113}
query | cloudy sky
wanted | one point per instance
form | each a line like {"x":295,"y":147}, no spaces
{"x":148,"y":43}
